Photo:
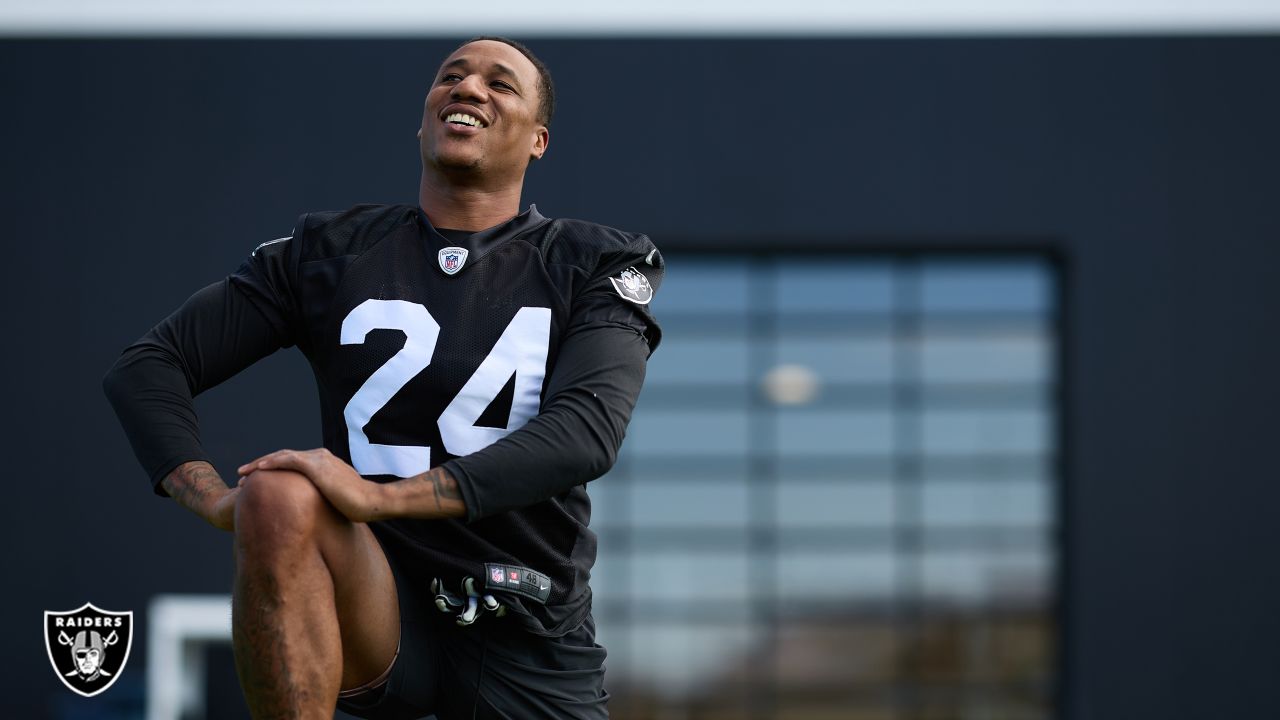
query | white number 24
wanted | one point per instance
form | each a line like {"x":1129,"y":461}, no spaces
{"x":522,"y":349}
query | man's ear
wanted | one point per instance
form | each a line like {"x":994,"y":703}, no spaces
{"x":541,"y":138}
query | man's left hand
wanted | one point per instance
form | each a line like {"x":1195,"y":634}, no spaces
{"x":359,"y":500}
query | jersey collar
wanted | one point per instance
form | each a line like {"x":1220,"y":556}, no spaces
{"x":480,"y":243}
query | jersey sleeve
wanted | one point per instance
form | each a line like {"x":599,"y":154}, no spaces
{"x":620,"y":289}
{"x":591,"y":393}
{"x":267,"y":278}
{"x":216,"y":333}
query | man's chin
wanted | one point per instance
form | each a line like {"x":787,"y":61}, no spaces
{"x":470,"y":165}
{"x":454,"y":162}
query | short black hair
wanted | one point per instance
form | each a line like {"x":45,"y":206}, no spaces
{"x":546,"y":88}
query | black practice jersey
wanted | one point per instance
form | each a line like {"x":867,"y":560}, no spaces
{"x":513,"y":357}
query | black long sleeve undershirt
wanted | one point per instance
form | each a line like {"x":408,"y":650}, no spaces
{"x":576,"y":435}
{"x":215,"y":334}
{"x":218,"y":332}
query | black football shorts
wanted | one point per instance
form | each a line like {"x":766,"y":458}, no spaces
{"x":490,"y":669}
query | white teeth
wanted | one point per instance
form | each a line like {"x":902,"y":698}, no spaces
{"x":465,"y":119}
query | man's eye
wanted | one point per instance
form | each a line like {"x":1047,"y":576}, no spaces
{"x":500,"y":84}
{"x":451,"y":77}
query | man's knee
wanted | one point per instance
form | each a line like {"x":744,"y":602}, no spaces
{"x":278,"y":507}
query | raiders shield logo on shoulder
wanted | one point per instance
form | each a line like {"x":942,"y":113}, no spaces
{"x":452,"y":259}
{"x":88,"y":647}
{"x":634,"y":286}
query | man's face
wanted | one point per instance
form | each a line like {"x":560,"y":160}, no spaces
{"x":87,"y":660}
{"x":481,"y":115}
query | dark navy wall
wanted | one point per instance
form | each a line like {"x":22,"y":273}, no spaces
{"x":136,"y":171}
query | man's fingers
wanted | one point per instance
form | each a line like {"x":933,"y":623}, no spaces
{"x":249,"y":467}
{"x":252,"y":465}
{"x":287,"y":459}
{"x":300,"y":460}
{"x":283,"y":460}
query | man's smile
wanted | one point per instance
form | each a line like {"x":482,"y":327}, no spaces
{"x":464,"y":119}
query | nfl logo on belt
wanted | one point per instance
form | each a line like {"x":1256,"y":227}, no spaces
{"x":452,"y":259}
{"x":496,"y":575}
{"x":88,"y":647}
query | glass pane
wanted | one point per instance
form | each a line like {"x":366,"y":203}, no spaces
{"x":994,"y":651}
{"x":686,"y":358}
{"x":1013,"y":286}
{"x":849,"y":651}
{"x":839,"y":359}
{"x":860,"y":503}
{"x":827,"y":285}
{"x":986,"y":576}
{"x":986,"y":431}
{"x":608,"y":500}
{"x":826,"y":432}
{"x":1022,"y":648}
{"x":689,"y":576}
{"x":1007,"y":358}
{"x":827,"y":577}
{"x":698,"y":285}
{"x":678,"y":660}
{"x":951,"y":502}
{"x":610,"y":577}
{"x":662,"y":433}
{"x":691,"y":502}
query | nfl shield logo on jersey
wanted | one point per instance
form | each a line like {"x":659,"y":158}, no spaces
{"x":88,"y":647}
{"x":452,"y":259}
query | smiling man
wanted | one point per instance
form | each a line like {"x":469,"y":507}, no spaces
{"x":477,"y":366}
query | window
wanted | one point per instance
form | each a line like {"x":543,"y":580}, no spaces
{"x":838,"y":495}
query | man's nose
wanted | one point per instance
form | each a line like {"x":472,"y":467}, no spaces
{"x":471,"y":86}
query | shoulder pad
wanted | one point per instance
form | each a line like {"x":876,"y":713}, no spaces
{"x":587,"y":245}
{"x":330,"y":234}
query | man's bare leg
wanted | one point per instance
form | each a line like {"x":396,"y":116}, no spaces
{"x":314,"y":605}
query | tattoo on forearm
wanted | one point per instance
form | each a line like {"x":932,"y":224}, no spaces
{"x":191,"y":483}
{"x":433,"y":494}
{"x":444,"y":487}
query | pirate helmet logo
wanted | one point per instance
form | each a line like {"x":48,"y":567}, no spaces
{"x":88,"y":647}
{"x":632,"y":285}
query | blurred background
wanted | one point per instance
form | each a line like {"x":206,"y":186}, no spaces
{"x":967,"y":402}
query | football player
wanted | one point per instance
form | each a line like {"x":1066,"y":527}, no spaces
{"x":477,"y":366}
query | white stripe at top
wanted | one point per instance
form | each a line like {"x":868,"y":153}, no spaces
{"x":269,"y":242}
{"x":568,"y":18}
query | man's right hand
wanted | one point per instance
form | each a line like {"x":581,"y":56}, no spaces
{"x":198,"y":487}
